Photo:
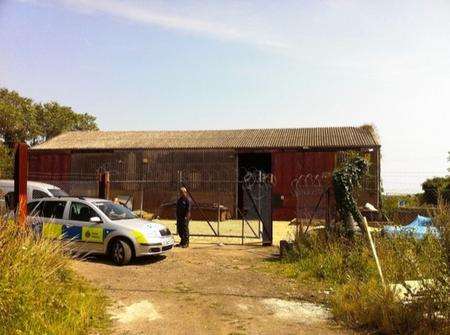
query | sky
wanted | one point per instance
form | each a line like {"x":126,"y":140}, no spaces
{"x":144,"y":65}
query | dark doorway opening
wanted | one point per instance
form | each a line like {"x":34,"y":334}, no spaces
{"x":255,"y":193}
{"x":252,"y":163}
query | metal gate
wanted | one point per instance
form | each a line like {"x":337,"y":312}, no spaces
{"x":253,"y":218}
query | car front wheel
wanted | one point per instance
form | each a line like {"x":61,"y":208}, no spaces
{"x":120,"y":252}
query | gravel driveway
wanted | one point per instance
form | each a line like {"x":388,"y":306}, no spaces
{"x":206,"y":289}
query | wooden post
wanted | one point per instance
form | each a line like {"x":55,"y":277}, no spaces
{"x":328,"y":213}
{"x":103,"y":185}
{"x":20,"y":183}
{"x":374,"y":251}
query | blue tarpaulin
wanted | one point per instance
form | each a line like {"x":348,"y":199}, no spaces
{"x":418,"y":228}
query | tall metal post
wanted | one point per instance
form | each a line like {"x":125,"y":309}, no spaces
{"x":259,"y":199}
{"x":20,"y":183}
{"x":328,"y":214}
{"x":104,"y":185}
{"x":144,"y":179}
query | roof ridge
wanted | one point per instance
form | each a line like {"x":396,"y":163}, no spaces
{"x":212,"y":130}
{"x":318,"y":137}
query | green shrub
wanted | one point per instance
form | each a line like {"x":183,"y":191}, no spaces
{"x":40,"y":293}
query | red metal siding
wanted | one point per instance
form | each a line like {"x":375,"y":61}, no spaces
{"x":48,"y":166}
{"x":286,"y":166}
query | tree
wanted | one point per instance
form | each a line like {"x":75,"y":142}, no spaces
{"x":54,"y":119}
{"x":85,"y":121}
{"x":435,"y":187}
{"x":17,"y":117}
{"x":23,"y":120}
{"x":6,"y":162}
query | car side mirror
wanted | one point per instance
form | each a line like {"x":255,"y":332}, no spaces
{"x":95,"y":219}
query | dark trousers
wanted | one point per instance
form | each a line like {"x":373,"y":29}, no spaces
{"x":183,"y":231}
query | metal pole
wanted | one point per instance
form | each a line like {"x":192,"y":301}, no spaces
{"x":142,"y":199}
{"x":265,"y":234}
{"x":328,"y":215}
{"x":200,"y":210}
{"x":218,"y":214}
{"x":242,"y":236}
{"x":259,"y":199}
{"x":315,"y":210}
{"x":218,"y":218}
{"x":103,"y":185}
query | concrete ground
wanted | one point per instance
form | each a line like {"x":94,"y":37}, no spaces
{"x":207,"y":289}
{"x":281,"y":231}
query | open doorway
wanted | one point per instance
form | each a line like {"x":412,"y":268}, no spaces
{"x":252,"y":162}
{"x":255,"y":195}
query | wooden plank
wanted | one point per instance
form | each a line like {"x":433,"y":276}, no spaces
{"x":20,"y":183}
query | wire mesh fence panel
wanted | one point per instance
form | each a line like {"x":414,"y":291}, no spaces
{"x":310,"y":194}
{"x":222,"y":205}
{"x":78,"y":185}
{"x":315,"y":200}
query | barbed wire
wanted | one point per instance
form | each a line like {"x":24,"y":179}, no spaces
{"x":307,"y":184}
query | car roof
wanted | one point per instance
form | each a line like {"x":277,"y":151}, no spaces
{"x":29,"y":183}
{"x":87,"y":199}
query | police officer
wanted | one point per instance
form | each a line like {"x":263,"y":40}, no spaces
{"x":183,"y":217}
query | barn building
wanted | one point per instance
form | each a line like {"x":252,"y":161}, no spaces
{"x":149,"y":165}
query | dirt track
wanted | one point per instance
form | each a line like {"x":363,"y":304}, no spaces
{"x":206,"y":289}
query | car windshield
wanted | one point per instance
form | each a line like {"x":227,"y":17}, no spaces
{"x":115,"y":211}
{"x":56,"y":192}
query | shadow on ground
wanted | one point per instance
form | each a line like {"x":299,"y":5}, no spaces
{"x":103,"y":259}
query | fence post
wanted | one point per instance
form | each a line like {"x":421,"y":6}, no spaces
{"x":242,"y":236}
{"x":20,"y":183}
{"x":259,"y":198}
{"x":103,"y":185}
{"x":374,"y":251}
{"x":328,"y":215}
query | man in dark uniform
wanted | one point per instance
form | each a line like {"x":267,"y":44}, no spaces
{"x":183,"y":217}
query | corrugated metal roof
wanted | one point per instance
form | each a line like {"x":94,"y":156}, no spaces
{"x":331,"y":137}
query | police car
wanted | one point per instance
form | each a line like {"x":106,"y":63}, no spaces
{"x":99,"y":226}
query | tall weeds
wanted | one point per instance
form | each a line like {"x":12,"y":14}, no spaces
{"x":359,"y":299}
{"x":39,"y":293}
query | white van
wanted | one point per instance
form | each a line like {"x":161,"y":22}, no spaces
{"x":35,"y":190}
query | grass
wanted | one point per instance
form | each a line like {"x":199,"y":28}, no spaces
{"x":358,"y":299}
{"x":40,"y":293}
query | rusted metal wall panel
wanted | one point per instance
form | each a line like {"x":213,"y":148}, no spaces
{"x":48,"y":165}
{"x":302,"y":168}
{"x":153,"y":177}
{"x":211,"y":175}
{"x":286,"y":167}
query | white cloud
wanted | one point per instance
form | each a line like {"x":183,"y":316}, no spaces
{"x":333,"y":35}
{"x":154,"y":14}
